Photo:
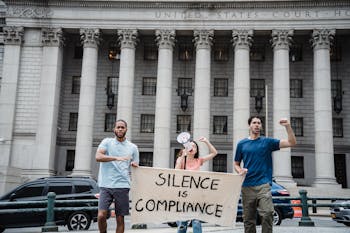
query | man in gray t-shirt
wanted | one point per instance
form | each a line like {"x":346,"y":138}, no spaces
{"x":116,"y":156}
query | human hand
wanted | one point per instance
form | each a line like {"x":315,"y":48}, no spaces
{"x":203,"y":139}
{"x":243,"y":171}
{"x":284,"y":122}
{"x":134,"y":164}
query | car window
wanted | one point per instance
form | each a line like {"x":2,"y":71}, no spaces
{"x":32,"y":190}
{"x":83,"y":187}
{"x":60,"y":187}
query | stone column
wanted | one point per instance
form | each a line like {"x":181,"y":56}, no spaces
{"x":127,"y":39}
{"x":324,"y":154}
{"x":281,"y":40}
{"x":162,"y":129}
{"x":13,"y":37}
{"x":50,"y":86}
{"x":242,"y":40}
{"x":83,"y":148}
{"x":201,"y":113}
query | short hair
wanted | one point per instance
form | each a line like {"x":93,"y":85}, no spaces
{"x":121,"y":120}
{"x":196,"y":155}
{"x":252,"y":117}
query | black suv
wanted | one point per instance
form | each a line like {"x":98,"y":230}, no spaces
{"x":66,"y":188}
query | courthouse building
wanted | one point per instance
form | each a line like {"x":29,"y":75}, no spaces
{"x":69,"y":68}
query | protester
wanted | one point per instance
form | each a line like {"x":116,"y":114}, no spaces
{"x":256,"y":154}
{"x":116,"y":155}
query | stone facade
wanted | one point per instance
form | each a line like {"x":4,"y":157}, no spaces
{"x":40,"y":58}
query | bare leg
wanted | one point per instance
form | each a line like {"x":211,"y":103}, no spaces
{"x":120,"y":224}
{"x":102,"y":220}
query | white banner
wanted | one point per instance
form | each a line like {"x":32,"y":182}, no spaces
{"x":167,"y":195}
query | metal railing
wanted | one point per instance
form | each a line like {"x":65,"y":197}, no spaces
{"x":52,"y":205}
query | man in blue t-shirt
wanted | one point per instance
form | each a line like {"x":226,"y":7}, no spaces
{"x":256,"y":154}
{"x":116,"y":155}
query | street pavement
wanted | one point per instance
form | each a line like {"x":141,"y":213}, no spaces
{"x":323,"y":224}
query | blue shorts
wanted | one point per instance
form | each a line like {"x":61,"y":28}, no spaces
{"x":120,"y":196}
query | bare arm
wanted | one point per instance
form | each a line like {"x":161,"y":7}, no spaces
{"x":212,"y":151}
{"x":102,"y":157}
{"x":239,"y":170}
{"x":291,"y":141}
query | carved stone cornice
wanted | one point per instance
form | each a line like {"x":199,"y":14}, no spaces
{"x":165,"y":38}
{"x":203,"y":39}
{"x":281,"y":39}
{"x":177,"y":4}
{"x":52,"y":37}
{"x":90,"y":37}
{"x":13,"y":35}
{"x":127,"y":38}
{"x":242,"y":38}
{"x":29,"y":12}
{"x":322,"y":38}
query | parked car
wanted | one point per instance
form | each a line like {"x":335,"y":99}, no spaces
{"x":66,"y":188}
{"x":341,"y":214}
{"x":280,"y":213}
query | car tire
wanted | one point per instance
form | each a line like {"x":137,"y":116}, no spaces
{"x":277,"y":217}
{"x":79,"y":221}
{"x":345,"y":223}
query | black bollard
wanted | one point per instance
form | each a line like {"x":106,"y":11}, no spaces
{"x":50,"y":225}
{"x":305,"y":219}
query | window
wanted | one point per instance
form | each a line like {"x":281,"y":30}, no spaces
{"x":82,"y":187}
{"x":149,"y":86}
{"x":109,"y":121}
{"x":257,"y":86}
{"x":296,"y":53}
{"x":184,"y":86}
{"x":150,"y":52}
{"x":185,"y":52}
{"x":70,"y":158}
{"x":75,"y":84}
{"x":147,"y":123}
{"x":60,"y":188}
{"x":112,"y":85}
{"x":183,"y":123}
{"x":297,"y":166}
{"x":296,"y":88}
{"x":297,"y":124}
{"x":221,"y":53}
{"x":146,"y":159}
{"x":221,"y":87}
{"x":220,"y":163}
{"x":220,"y":125}
{"x":30,"y":191}
{"x":78,"y":52}
{"x":336,"y":88}
{"x":338,"y":127}
{"x":257,"y":53}
{"x":73,"y":121}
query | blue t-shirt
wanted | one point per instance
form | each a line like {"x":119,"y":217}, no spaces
{"x":257,"y":158}
{"x":115,"y":174}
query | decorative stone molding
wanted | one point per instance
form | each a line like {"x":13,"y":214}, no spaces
{"x":127,"y":38}
{"x":90,"y":37}
{"x":203,"y":39}
{"x":29,"y":12}
{"x":282,"y":39}
{"x":52,"y":37}
{"x":242,"y":38}
{"x":322,"y":38}
{"x":13,"y":35}
{"x":165,"y":38}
